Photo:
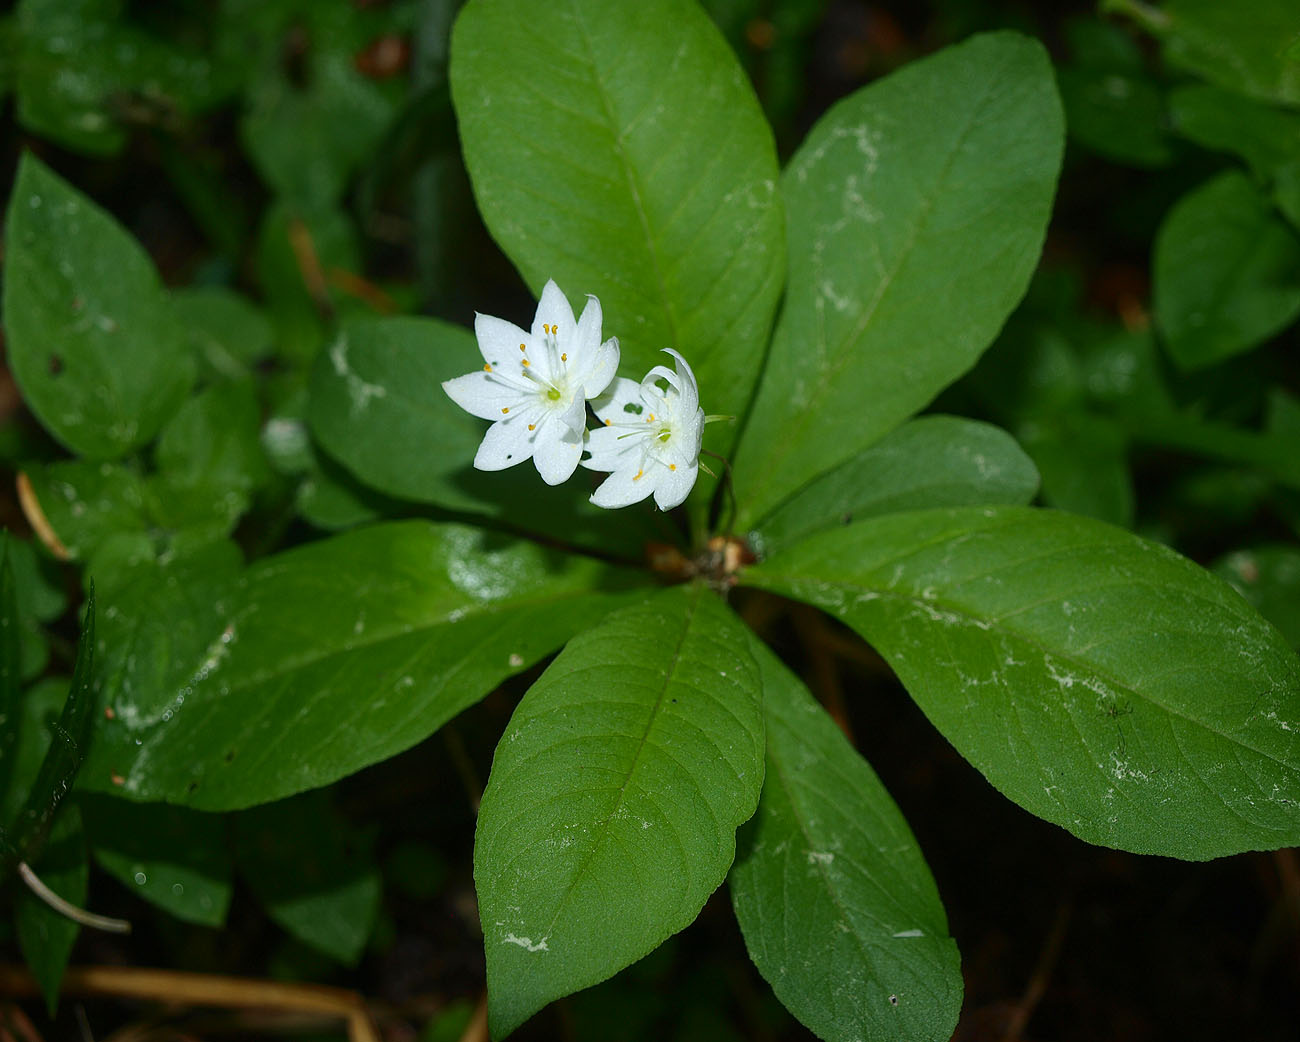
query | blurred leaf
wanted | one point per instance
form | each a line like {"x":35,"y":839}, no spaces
{"x":1269,"y":577}
{"x":932,"y":461}
{"x":39,"y":599}
{"x":92,"y":343}
{"x":11,"y":691}
{"x":1243,"y":48}
{"x":917,"y":209}
{"x":632,"y":163}
{"x":312,"y":873}
{"x":1102,"y":682}
{"x":85,"y":74}
{"x":1113,"y":107}
{"x":611,"y":810}
{"x":837,"y":905}
{"x":174,"y":858}
{"x":46,"y":937}
{"x":377,"y":406}
{"x":327,"y":658}
{"x":1226,"y":272}
{"x":1083,"y":461}
{"x":228,"y":333}
{"x":86,"y":502}
{"x":1264,"y":136}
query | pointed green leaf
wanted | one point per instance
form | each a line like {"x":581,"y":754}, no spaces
{"x":632,"y":163}
{"x":917,"y":208}
{"x":1226,"y":272}
{"x":611,"y":810}
{"x":92,"y":341}
{"x":1102,"y":682}
{"x":312,"y":873}
{"x":377,"y":405}
{"x":227,"y":333}
{"x":837,"y":905}
{"x":1265,"y":136}
{"x":933,"y":461}
{"x":322,"y":660}
{"x":174,"y":858}
{"x":11,"y":691}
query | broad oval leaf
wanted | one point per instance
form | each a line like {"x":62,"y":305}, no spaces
{"x":322,"y":660}
{"x":631,"y":163}
{"x":377,"y":406}
{"x":932,"y":461}
{"x":91,"y":336}
{"x":611,"y":810}
{"x":916,"y":212}
{"x":1226,"y":272}
{"x":1101,"y":681}
{"x":837,"y":905}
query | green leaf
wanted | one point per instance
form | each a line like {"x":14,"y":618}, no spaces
{"x":11,"y":692}
{"x":917,"y":208}
{"x":1269,"y":577}
{"x":86,"y":502}
{"x":227,"y":332}
{"x":1102,"y":682}
{"x":322,"y":660}
{"x":45,"y":936}
{"x":1226,"y":272}
{"x":209,"y":460}
{"x":1242,"y":48}
{"x":837,"y":905}
{"x":68,"y":738}
{"x":1264,"y":136}
{"x":176,"y":859}
{"x":377,"y":405}
{"x":313,"y":875}
{"x":611,"y":810}
{"x":94,"y":346}
{"x":933,"y":461}
{"x":632,"y":163}
{"x":1083,"y":460}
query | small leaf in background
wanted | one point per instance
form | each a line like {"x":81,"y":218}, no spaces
{"x":45,"y":936}
{"x":1226,"y":272}
{"x":86,"y":502}
{"x":1269,"y":577}
{"x":837,"y":905}
{"x":645,"y":174}
{"x":321,"y":660}
{"x":1102,"y":682}
{"x":378,"y":407}
{"x":615,"y":793}
{"x":917,"y":209}
{"x":91,"y":340}
{"x":312,"y":873}
{"x":1113,"y":106}
{"x":228,"y":333}
{"x":1264,"y":136}
{"x":176,"y":859}
{"x":1082,"y":458}
{"x":1241,"y":48}
{"x":11,"y":691}
{"x":932,"y":461}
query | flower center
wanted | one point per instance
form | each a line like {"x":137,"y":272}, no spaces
{"x":553,"y":394}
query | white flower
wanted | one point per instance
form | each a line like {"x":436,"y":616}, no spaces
{"x":535,"y":385}
{"x":650,"y":441}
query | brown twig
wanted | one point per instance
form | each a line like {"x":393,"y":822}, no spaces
{"x":477,"y":1028}
{"x":201,"y":989}
{"x":1038,"y":980}
{"x":313,"y":277}
{"x":36,"y":518}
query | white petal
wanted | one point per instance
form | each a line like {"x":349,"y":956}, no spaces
{"x":601,"y":365}
{"x":621,"y":489}
{"x":553,"y":310}
{"x":499,"y":340}
{"x":609,"y":451}
{"x":575,"y":416}
{"x":479,"y":395}
{"x":673,"y":486}
{"x":609,"y":406}
{"x":686,"y":383}
{"x":505,"y":445}
{"x":586,"y":337}
{"x":556,"y":451}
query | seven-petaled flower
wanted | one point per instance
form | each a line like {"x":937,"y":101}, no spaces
{"x":535,"y":385}
{"x":650,"y":441}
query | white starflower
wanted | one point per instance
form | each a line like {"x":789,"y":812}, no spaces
{"x":535,"y":385}
{"x":650,"y":441}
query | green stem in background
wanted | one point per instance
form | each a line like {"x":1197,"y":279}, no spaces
{"x":1152,"y":19}
{"x":1217,"y":441}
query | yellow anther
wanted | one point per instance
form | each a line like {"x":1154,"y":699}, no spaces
{"x":564,"y":358}
{"x":638,"y":475}
{"x":526,"y":362}
{"x":532,"y":426}
{"x":672,"y":466}
{"x":505,"y":410}
{"x":609,"y":423}
{"x":487,"y":368}
{"x":522,"y":348}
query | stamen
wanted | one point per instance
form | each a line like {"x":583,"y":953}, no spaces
{"x":564,"y":358}
{"x":522,"y":347}
{"x":672,"y":466}
{"x":487,"y":368}
{"x":638,"y":475}
{"x":505,"y":410}
{"x":533,"y":427}
{"x":650,"y":418}
{"x":609,"y":423}
{"x":526,"y":362}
